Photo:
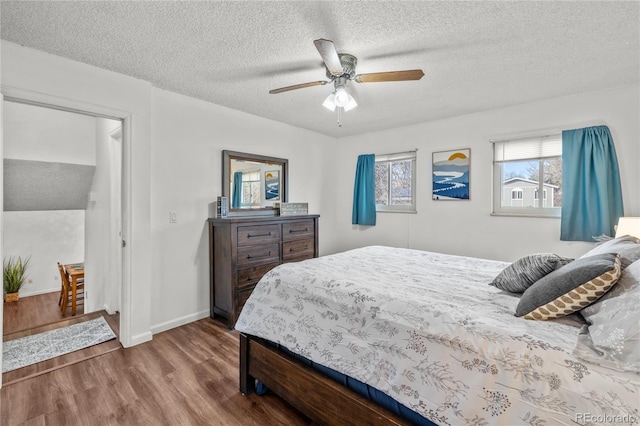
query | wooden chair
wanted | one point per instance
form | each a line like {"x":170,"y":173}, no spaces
{"x":66,"y":290}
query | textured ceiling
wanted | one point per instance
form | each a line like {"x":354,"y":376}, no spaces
{"x":476,"y":55}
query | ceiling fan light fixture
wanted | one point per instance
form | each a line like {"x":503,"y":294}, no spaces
{"x":342,"y":97}
{"x":340,"y":68}
{"x":329,"y":103}
{"x":351,"y":104}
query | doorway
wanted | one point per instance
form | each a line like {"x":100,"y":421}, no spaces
{"x":81,"y":222}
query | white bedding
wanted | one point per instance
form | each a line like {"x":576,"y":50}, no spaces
{"x":428,"y":330}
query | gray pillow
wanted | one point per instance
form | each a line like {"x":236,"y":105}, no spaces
{"x":629,"y":255}
{"x":613,"y":335}
{"x":522,"y":273}
{"x":570,"y":288}
{"x":627,"y":247}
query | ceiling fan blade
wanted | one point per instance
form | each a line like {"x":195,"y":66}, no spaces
{"x":298,"y":86}
{"x":377,"y":77}
{"x":327,"y":50}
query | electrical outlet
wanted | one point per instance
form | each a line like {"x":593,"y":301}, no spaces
{"x":173,"y":217}
{"x":55,"y":277}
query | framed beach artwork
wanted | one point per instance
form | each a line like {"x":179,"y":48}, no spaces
{"x":272,"y":185}
{"x":451,"y":175}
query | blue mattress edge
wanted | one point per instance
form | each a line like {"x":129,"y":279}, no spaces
{"x":369,"y":392}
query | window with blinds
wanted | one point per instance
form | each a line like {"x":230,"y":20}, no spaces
{"x":395,"y":176}
{"x":524,"y":168}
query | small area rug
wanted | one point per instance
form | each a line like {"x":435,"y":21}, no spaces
{"x":29,"y":350}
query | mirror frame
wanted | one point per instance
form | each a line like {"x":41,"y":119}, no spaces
{"x":227,"y":156}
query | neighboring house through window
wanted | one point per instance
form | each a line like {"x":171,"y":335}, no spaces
{"x":521,"y":169}
{"x":395,"y":176}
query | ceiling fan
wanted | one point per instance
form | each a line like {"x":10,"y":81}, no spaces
{"x":340,"y":68}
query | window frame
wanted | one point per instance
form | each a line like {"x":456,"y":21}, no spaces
{"x":390,"y":158}
{"x":498,"y":209}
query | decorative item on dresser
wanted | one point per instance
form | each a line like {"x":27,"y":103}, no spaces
{"x":243,"y":249}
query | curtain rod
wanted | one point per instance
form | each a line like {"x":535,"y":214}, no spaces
{"x":545,"y":133}
{"x":398,"y":153}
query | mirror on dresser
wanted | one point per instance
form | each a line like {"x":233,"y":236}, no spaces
{"x":253,"y":183}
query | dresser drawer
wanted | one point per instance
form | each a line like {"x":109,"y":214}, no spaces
{"x":297,"y":230}
{"x":258,"y":255}
{"x":297,"y":250}
{"x":258,"y":234}
{"x":251,"y":276}
{"x":243,"y":296}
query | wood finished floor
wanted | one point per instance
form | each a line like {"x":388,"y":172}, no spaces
{"x":40,"y":313}
{"x":33,"y":311}
{"x":186,"y":376}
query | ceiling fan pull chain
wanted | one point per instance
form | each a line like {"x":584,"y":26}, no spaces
{"x":339,"y":114}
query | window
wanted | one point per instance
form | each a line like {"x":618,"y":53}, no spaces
{"x":536,"y":199}
{"x":395,"y":176}
{"x":521,"y":169}
{"x":544,"y":194}
{"x":516,"y":194}
{"x":251,"y":188}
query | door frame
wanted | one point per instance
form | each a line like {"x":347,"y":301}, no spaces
{"x":13,"y":94}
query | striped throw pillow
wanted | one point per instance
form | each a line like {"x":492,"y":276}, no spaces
{"x":522,"y":273}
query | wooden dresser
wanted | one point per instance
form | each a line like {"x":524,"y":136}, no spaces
{"x":243,"y":249}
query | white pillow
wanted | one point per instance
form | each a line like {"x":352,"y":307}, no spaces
{"x":627,"y":247}
{"x":613,"y":335}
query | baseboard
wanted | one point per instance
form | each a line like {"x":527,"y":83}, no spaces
{"x":159,"y":328}
{"x":140,"y":338}
{"x":109,"y":310}
{"x":38,"y":292}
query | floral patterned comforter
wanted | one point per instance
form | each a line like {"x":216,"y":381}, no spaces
{"x":428,"y":330}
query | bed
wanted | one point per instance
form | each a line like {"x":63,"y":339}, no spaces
{"x":428,"y":331}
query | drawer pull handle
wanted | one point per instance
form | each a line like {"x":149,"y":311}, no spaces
{"x":258,"y":257}
{"x":259,"y":235}
{"x":291,"y":231}
{"x":291,"y":250}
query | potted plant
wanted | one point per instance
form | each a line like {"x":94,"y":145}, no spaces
{"x":14,"y":277}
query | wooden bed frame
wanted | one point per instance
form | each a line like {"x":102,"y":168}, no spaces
{"x":321,"y":399}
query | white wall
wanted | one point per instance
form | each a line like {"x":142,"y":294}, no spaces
{"x":28,"y":73}
{"x":98,"y":219}
{"x":186,"y":160}
{"x":466,"y":227}
{"x":48,"y":237}
{"x":44,"y":134}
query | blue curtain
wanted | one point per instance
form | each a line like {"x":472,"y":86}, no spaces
{"x":364,"y":191}
{"x":591,"y":192}
{"x":236,"y":196}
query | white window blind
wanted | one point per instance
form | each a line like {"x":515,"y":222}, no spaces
{"x":409,"y":155}
{"x":528,"y":149}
